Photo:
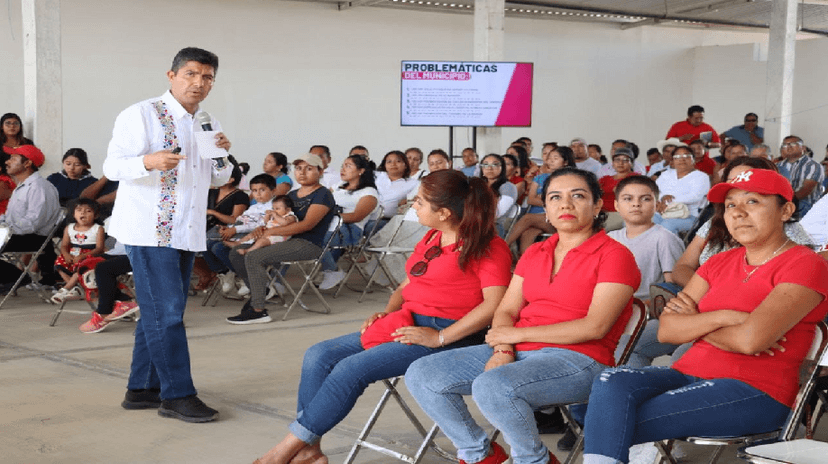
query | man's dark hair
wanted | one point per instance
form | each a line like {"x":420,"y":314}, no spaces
{"x":525,"y":139}
{"x":624,"y":141}
{"x":752,"y":114}
{"x":652,"y":150}
{"x":358,"y":147}
{"x":632,"y":146}
{"x":640,"y":180}
{"x":324,"y":148}
{"x":194,"y":54}
{"x":596,"y":147}
{"x":798,"y":138}
{"x":694,"y":109}
{"x":265,"y":179}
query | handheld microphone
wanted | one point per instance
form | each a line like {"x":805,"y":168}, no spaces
{"x":205,"y":120}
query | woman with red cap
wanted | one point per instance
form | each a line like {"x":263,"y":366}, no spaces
{"x":748,"y":311}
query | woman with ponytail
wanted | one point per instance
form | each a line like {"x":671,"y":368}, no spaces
{"x":554,"y":332}
{"x":454,"y":281}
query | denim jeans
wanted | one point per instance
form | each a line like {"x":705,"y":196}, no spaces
{"x":630,"y":406}
{"x":349,"y":234}
{"x":161,"y":357}
{"x":507,"y":395}
{"x":675,"y":225}
{"x":218,"y":255}
{"x":335,"y":373}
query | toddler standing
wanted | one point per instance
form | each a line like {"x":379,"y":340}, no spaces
{"x":81,"y":239}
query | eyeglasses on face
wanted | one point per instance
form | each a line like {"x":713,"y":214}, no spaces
{"x":621,"y":159}
{"x":420,"y":267}
{"x":490,"y":166}
{"x":790,"y":145}
{"x":678,"y":157}
{"x":751,"y":120}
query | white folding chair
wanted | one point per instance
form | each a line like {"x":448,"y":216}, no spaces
{"x":788,"y":430}
{"x":16,"y":257}
{"x":356,"y":253}
{"x":389,"y":249}
{"x":309,"y":270}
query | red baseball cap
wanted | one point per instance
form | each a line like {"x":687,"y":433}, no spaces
{"x":30,"y":152}
{"x":762,"y":181}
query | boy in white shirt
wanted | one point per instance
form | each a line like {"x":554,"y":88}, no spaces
{"x":261,"y":190}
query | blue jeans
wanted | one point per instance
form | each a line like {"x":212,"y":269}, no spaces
{"x":507,"y":395}
{"x":631,"y":406}
{"x":335,"y":373}
{"x":349,"y":234}
{"x":675,"y":225}
{"x":161,"y":357}
{"x":218,"y":255}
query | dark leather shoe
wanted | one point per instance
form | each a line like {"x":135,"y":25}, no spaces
{"x":188,"y":409}
{"x":142,"y":399}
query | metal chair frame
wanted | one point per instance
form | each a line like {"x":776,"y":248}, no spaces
{"x":356,"y":253}
{"x":381,"y":253}
{"x":788,"y":431}
{"x":16,"y":257}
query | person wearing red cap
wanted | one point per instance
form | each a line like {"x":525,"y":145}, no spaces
{"x":32,"y":212}
{"x":160,"y":215}
{"x":749,"y":311}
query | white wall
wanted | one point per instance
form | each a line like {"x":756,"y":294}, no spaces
{"x":294,"y":74}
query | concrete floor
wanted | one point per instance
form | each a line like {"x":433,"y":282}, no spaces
{"x":60,"y":389}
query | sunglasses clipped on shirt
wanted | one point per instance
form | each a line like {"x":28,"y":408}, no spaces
{"x":420,"y":267}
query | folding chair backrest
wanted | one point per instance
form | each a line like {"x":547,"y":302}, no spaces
{"x":819,"y":347}
{"x":634,"y":328}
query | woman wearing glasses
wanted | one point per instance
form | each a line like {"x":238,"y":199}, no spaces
{"x":553,"y":333}
{"x":492,"y":170}
{"x":682,"y":185}
{"x":455,"y":279}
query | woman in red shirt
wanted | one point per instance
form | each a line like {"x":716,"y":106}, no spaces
{"x":456,"y":277}
{"x":751,"y":312}
{"x":622,"y":162}
{"x":555,"y":330}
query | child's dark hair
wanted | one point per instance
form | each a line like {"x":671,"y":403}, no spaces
{"x":265,"y":179}
{"x":96,"y":207}
{"x":594,"y":189}
{"x":284,"y":199}
{"x":636,"y":180}
{"x":473,"y":206}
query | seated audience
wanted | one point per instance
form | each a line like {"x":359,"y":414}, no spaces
{"x":666,"y":147}
{"x":528,"y":168}
{"x":510,"y":164}
{"x":702,"y":159}
{"x":393,"y":183}
{"x":534,"y":222}
{"x":103,"y":191}
{"x":805,"y":174}
{"x":683,"y":191}
{"x":495,"y":176}
{"x":554,"y":332}
{"x":582,"y":159}
{"x":693,"y":127}
{"x":721,"y":386}
{"x":276,"y":165}
{"x":358,"y":198}
{"x":113,"y":303}
{"x":359,"y":150}
{"x":424,"y":315}
{"x":31,"y":214}
{"x":608,"y":169}
{"x":82,"y":239}
{"x":11,"y":132}
{"x":7,"y":184}
{"x":656,"y":161}
{"x":414,"y":156}
{"x":761,"y":151}
{"x":280,"y":214}
{"x":596,"y":153}
{"x":622,"y":161}
{"x":74,"y":177}
{"x":314,"y":207}
{"x":748,"y":134}
{"x":470,"y":167}
{"x":330,"y":177}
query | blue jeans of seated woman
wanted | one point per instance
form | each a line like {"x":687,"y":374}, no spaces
{"x":349,"y":234}
{"x":161,"y":357}
{"x":507,"y":395}
{"x":336,"y":372}
{"x":631,"y":406}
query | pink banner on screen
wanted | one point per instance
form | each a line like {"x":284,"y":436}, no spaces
{"x":517,"y":104}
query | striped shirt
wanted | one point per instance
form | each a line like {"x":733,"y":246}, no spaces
{"x":801,"y":170}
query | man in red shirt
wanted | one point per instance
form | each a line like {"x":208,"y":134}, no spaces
{"x":703,"y":161}
{"x":691,"y":128}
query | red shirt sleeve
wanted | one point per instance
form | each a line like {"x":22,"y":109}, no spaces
{"x":494,"y":270}
{"x":619,"y":266}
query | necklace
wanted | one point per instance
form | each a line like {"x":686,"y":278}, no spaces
{"x":763,"y":262}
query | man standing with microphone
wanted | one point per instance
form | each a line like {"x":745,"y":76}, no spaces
{"x":160,"y":215}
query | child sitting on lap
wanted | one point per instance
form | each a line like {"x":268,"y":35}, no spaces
{"x":81,"y":239}
{"x":280,"y":215}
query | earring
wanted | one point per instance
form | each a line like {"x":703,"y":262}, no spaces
{"x":596,"y":216}
{"x":547,"y":220}
{"x":442,"y":218}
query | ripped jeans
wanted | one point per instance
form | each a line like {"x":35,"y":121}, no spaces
{"x":629,"y":406}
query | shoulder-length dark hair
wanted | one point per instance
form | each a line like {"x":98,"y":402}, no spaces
{"x":501,"y":179}
{"x":280,"y":159}
{"x":81,"y":155}
{"x":568,"y":156}
{"x":407,"y":171}
{"x":719,"y":237}
{"x":366,"y":179}
{"x":20,"y":138}
{"x":594,"y":189}
{"x":472,"y":205}
{"x":523,"y":158}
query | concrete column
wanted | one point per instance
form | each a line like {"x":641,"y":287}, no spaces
{"x":781,"y":51}
{"x":43,"y":88}
{"x":489,"y":16}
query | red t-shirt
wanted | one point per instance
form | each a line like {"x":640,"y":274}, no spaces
{"x":684,"y":127}
{"x":706,"y":165}
{"x":776,"y":375}
{"x":446,"y":291}
{"x":608,"y":184}
{"x":566,"y":296}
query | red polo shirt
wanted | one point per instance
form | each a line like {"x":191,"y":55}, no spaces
{"x":706,"y":165}
{"x":568,"y":295}
{"x":684,"y":127}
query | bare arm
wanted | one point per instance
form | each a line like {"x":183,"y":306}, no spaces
{"x":94,"y":189}
{"x":534,"y":198}
{"x":281,"y":189}
{"x":363,"y":208}
{"x":228,"y":218}
{"x":687,"y":264}
{"x":394,"y":304}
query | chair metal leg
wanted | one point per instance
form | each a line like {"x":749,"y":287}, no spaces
{"x":213,"y":290}
{"x":57,"y":313}
{"x":17,"y":283}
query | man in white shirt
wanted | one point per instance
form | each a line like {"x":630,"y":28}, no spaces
{"x":32,"y":212}
{"x":160,"y":215}
{"x":330,"y":176}
{"x":582,"y":159}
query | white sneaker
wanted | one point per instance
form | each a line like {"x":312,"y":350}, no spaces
{"x":66,"y":294}
{"x":228,"y":281}
{"x":274,"y":290}
{"x":243,"y":290}
{"x":644,"y":453}
{"x":331,"y":278}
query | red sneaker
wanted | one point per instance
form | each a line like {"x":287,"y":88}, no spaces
{"x":497,"y":455}
{"x":121,"y":310}
{"x":94,"y":325}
